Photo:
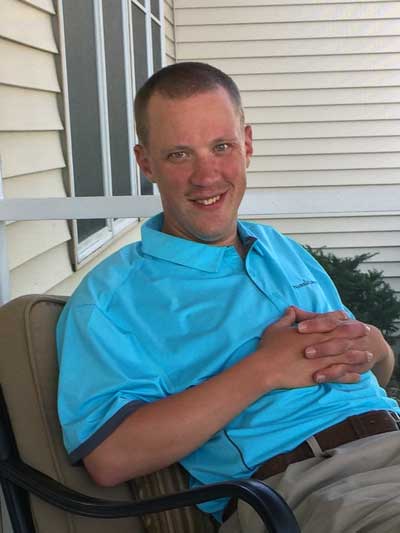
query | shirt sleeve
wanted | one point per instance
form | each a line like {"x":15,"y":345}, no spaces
{"x":103,"y":377}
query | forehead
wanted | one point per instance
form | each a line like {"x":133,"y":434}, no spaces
{"x":211,"y":112}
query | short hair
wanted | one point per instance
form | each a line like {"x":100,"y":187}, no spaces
{"x":182,"y":80}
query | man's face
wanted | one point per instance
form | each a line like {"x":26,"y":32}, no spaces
{"x":197,"y":153}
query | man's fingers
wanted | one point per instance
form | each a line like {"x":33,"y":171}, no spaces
{"x":337,"y":346}
{"x":362,"y":359}
{"x":321,"y":323}
{"x":337,"y":373}
{"x":302,"y":315}
{"x":339,"y":328}
{"x":327,"y":348}
{"x":351,"y":362}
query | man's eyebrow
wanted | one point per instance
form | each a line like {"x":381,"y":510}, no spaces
{"x":225,"y":140}
{"x":186,"y":147}
{"x":176,"y":148}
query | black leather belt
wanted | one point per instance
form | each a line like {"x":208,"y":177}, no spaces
{"x":351,"y":429}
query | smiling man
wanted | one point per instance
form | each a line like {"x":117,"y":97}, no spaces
{"x":223,"y":344}
{"x":200,"y":171}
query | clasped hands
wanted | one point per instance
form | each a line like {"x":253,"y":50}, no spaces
{"x":318,"y":347}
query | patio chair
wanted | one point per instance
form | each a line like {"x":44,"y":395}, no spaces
{"x":43,"y":492}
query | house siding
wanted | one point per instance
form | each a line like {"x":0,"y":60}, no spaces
{"x":30,"y":142}
{"x":320,"y":85}
{"x":169,"y":29}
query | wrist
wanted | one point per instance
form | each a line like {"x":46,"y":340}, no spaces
{"x":383,"y":357}
{"x":265,"y":370}
{"x":379,"y":346}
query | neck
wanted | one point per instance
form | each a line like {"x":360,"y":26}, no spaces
{"x":241,"y":250}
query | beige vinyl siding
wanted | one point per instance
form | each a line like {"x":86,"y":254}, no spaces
{"x":330,"y":177}
{"x":42,"y":272}
{"x":25,"y":23}
{"x":284,"y":47}
{"x":317,"y":80}
{"x":323,"y":113}
{"x":269,"y":14}
{"x":327,"y":161}
{"x":334,"y":129}
{"x":28,"y":239}
{"x":45,"y":5}
{"x":320,"y":82}
{"x":47,"y":184}
{"x":28,"y":110}
{"x":27,"y":67}
{"x":25,"y":152}
{"x":30,"y":142}
{"x":283,"y":30}
{"x":253,"y":3}
{"x":169,"y":29}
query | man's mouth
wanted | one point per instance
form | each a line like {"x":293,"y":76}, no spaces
{"x":208,"y":201}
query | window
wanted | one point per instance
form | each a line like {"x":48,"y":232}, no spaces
{"x":112,"y":47}
{"x":146,"y":35}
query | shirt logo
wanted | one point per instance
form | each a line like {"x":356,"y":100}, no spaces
{"x":305,"y":283}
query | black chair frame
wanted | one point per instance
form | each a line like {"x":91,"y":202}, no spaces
{"x":18,"y":480}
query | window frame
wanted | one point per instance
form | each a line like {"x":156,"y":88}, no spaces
{"x":85,"y":250}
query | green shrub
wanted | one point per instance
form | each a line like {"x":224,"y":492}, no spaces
{"x":366,"y":294}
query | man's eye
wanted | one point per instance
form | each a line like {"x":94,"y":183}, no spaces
{"x":222,"y":147}
{"x":177,"y":156}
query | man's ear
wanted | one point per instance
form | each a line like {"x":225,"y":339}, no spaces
{"x":248,"y":143}
{"x":143,"y":161}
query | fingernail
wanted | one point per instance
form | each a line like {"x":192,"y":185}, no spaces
{"x":367,"y":328}
{"x":320,"y":378}
{"x":302,"y":326}
{"x":370,"y":356}
{"x":310,"y":351}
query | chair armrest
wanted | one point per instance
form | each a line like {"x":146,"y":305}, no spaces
{"x":272,"y":509}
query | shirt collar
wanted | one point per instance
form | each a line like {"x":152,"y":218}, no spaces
{"x":185,"y":252}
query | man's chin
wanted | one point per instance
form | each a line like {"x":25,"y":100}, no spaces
{"x":213,"y":234}
{"x":214,"y":238}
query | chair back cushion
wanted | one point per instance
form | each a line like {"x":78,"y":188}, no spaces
{"x":183,"y":520}
{"x":28,"y":376}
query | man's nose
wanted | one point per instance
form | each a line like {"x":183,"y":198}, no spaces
{"x":205,"y":171}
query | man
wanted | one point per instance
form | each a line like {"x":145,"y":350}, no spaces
{"x":212,"y":342}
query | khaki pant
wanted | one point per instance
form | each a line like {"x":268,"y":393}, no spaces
{"x":354,"y":488}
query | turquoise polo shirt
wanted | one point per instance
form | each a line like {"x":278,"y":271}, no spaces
{"x":165,"y":314}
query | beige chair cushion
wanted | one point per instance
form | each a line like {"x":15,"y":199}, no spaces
{"x":184,"y":520}
{"x":28,"y":375}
